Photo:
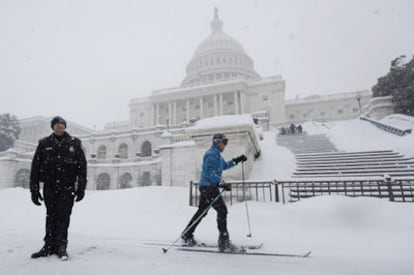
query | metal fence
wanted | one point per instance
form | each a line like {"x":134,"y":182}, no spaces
{"x":293,"y":190}
{"x":388,"y":128}
{"x":249,"y":190}
{"x":393,"y":189}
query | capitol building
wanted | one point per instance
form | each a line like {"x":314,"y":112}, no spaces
{"x":167,"y":132}
{"x":220,"y":80}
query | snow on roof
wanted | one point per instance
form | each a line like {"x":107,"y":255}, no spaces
{"x":318,"y":98}
{"x":220,"y":122}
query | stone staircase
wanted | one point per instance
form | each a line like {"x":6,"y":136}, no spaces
{"x":354,"y":164}
{"x":304,"y":143}
{"x":317,"y":156}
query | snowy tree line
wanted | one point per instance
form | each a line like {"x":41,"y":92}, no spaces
{"x":9,"y":131}
{"x":398,"y":83}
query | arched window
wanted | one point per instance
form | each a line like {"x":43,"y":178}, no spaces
{"x":123,"y":151}
{"x":101,"y":152}
{"x":103,"y":182}
{"x":22,"y":178}
{"x":145,"y":179}
{"x":146,"y":149}
{"x":125,"y":181}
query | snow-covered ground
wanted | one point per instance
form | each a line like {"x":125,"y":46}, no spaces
{"x":109,"y":228}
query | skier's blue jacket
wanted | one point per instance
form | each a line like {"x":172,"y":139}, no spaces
{"x":213,"y":166}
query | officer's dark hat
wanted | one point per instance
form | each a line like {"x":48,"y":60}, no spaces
{"x":57,"y":119}
{"x":220,"y":138}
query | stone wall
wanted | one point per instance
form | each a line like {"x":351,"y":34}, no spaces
{"x":182,"y":159}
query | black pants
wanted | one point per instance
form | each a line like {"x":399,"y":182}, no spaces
{"x":207,"y":195}
{"x":59,"y":203}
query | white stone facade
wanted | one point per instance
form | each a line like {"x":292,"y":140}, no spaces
{"x":379,"y":107}
{"x":328,"y":107}
{"x":182,"y":154}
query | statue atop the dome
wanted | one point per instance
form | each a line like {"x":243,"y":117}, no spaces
{"x":216,"y":24}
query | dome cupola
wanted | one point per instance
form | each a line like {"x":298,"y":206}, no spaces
{"x":219,"y":57}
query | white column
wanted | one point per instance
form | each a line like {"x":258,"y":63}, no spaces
{"x":242,"y":109}
{"x":157,"y":113}
{"x":169,"y":113}
{"x":236,"y":103}
{"x":187,"y":106}
{"x":152,"y":118}
{"x":201,"y":106}
{"x":221,"y":104}
{"x":174,"y":112}
{"x":215,"y":106}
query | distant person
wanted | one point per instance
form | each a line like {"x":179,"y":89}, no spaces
{"x":299,"y":128}
{"x":58,"y":162}
{"x":292,"y":128}
{"x":210,"y":181}
{"x":282,"y":131}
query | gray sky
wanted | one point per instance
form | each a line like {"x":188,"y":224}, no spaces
{"x":85,"y":59}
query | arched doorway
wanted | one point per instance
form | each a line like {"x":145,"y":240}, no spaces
{"x":145,"y":179}
{"x":125,"y":181}
{"x":103,"y":182}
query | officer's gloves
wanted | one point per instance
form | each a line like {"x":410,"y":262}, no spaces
{"x":36,"y":196}
{"x":240,"y":158}
{"x":79,"y":194}
{"x":226,"y":186}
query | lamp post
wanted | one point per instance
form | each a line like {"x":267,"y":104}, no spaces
{"x":358,"y":98}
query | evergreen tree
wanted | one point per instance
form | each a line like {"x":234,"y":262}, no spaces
{"x":9,"y":131}
{"x":399,"y":83}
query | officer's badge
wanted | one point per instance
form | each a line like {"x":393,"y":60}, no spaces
{"x":72,"y":149}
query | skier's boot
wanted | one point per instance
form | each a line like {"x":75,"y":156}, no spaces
{"x":188,"y":240}
{"x":62,"y":254}
{"x":45,"y":251}
{"x":224,"y":243}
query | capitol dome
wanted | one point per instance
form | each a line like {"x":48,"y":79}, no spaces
{"x":219,"y":57}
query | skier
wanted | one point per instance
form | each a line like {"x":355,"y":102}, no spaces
{"x":58,"y":162}
{"x":210,"y":181}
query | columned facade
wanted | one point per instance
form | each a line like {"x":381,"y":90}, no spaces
{"x":183,"y":105}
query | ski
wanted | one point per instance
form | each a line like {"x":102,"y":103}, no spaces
{"x":243,"y":252}
{"x":249,"y":246}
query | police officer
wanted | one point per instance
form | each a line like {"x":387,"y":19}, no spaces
{"x":210,"y":181}
{"x":59,"y":162}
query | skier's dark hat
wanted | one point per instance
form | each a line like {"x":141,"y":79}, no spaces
{"x":220,"y":138}
{"x":57,"y":119}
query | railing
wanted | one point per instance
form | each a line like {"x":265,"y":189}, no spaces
{"x":394,"y":189}
{"x":388,"y":128}
{"x":249,"y":190}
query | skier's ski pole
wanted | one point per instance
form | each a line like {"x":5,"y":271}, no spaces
{"x":165,"y":250}
{"x":245,"y":202}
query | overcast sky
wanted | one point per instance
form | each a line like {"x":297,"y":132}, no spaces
{"x":86,"y":59}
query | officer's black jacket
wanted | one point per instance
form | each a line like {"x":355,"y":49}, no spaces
{"x":58,"y":162}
